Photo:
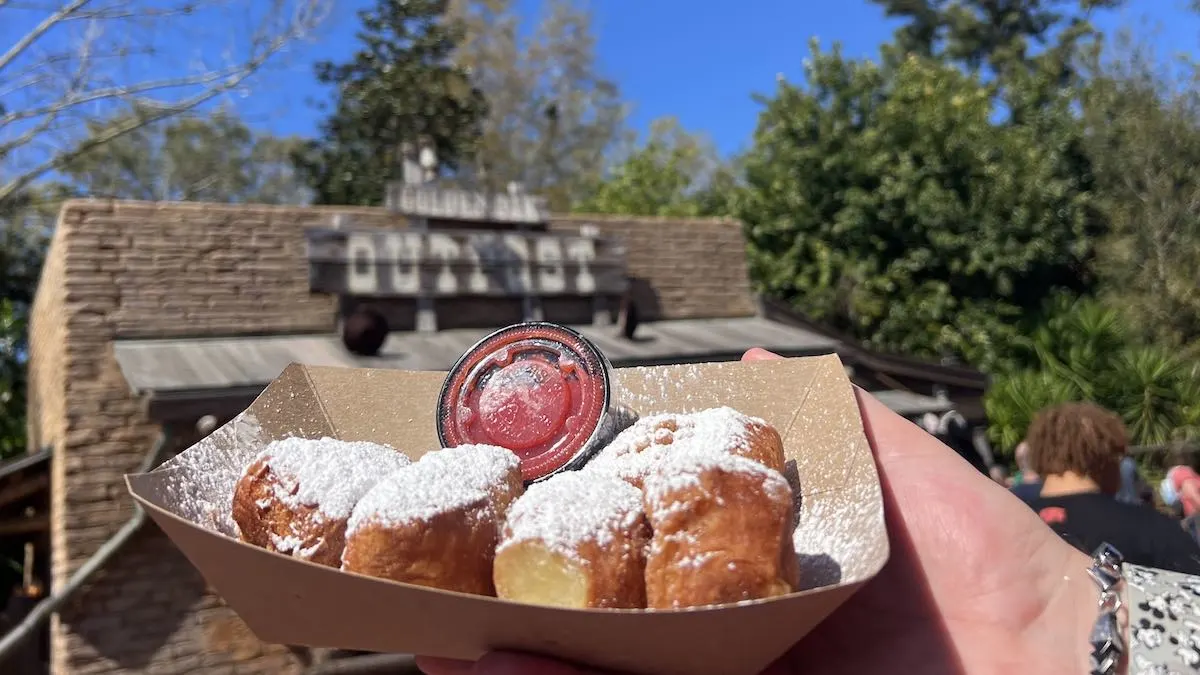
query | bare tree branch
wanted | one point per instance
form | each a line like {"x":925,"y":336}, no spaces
{"x":42,"y":28}
{"x":86,"y":61}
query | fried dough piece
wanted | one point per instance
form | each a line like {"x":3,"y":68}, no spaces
{"x":297,"y":494}
{"x":433,"y":524}
{"x":575,"y":540}
{"x":722,"y":531}
{"x":490,"y":467}
{"x":635,"y":452}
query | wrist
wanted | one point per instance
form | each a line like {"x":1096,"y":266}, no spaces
{"x":1084,"y":602}
{"x":1081,"y":603}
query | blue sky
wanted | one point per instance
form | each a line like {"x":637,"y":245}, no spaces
{"x":699,"y":60}
{"x":695,"y":59}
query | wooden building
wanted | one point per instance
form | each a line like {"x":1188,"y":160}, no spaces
{"x":153,"y":321}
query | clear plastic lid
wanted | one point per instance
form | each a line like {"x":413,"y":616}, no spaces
{"x":539,"y":389}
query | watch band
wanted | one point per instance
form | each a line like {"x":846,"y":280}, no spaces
{"x":1107,"y":639}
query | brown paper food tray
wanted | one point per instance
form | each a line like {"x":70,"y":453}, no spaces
{"x":840,"y":537}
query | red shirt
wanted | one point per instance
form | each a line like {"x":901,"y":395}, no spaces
{"x":1187,"y":485}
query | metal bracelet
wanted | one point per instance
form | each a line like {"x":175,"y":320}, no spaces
{"x":1107,"y":639}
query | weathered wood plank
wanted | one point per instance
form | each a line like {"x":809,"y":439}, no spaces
{"x":38,"y":523}
{"x":24,"y":487}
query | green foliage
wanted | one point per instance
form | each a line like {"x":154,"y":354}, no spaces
{"x":673,"y":174}
{"x":399,"y":87}
{"x":214,"y":158}
{"x":1004,"y":37}
{"x":1012,"y":402}
{"x":25,"y":225}
{"x":885,"y":201}
{"x":1144,"y":136}
{"x":12,"y":379}
{"x":1087,"y":352}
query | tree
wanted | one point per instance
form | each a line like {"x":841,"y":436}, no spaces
{"x":190,"y":157}
{"x":71,"y":61}
{"x":1026,"y":52}
{"x":1087,"y":352}
{"x":886,"y":200}
{"x":1002,"y":36}
{"x":673,"y":173}
{"x":553,"y":118}
{"x":400,"y":88}
{"x":12,"y":379}
{"x":25,"y":226}
{"x":214,"y":158}
{"x":1143,"y":122}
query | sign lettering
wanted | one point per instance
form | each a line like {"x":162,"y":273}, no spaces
{"x":361,"y":277}
{"x":551,"y":271}
{"x":428,"y":201}
{"x":579,"y":251}
{"x":448,"y":263}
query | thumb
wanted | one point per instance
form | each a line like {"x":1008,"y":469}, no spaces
{"x":760,"y":354}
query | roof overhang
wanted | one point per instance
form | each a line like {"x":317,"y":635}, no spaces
{"x":182,"y":380}
{"x":23,"y":462}
{"x":904,"y":366}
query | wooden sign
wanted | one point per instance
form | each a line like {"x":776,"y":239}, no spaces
{"x":428,"y":201}
{"x":431,"y":264}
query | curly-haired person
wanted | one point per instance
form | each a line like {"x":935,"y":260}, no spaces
{"x":1077,"y":448}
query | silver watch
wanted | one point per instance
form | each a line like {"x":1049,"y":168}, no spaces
{"x":1107,"y":640}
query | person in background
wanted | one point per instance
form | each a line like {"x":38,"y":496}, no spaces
{"x":1027,"y":484}
{"x":1180,"y":489}
{"x":952,"y":429}
{"x":999,"y":473}
{"x":1077,"y":448}
{"x":1133,"y":488}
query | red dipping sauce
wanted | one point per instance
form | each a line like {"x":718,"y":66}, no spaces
{"x":539,"y":389}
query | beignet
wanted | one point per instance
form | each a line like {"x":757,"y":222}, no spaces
{"x":493,"y":468}
{"x":432,"y":524}
{"x":722,"y":531}
{"x":575,"y":540}
{"x":635,"y":452}
{"x":297,"y":494}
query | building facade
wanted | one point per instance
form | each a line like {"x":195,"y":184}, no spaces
{"x":153,"y":321}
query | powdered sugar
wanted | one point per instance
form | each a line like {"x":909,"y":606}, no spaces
{"x":481,"y":465}
{"x":570,"y":508}
{"x":661,"y":389}
{"x":327,"y":473}
{"x":417,"y":493}
{"x":682,"y":470}
{"x":635,"y":452}
{"x":825,"y":536}
{"x":197,"y":483}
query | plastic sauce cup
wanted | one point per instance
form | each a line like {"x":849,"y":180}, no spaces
{"x":539,"y":389}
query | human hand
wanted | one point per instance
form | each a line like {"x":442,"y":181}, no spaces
{"x":975,"y":583}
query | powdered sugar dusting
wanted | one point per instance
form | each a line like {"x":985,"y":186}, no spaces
{"x":571,"y":508}
{"x":825,"y":536}
{"x":670,"y":389}
{"x":482,"y":465}
{"x":679,"y":471}
{"x":327,"y":473}
{"x":839,"y":527}
{"x":417,"y":493}
{"x":198,"y":483}
{"x":635,"y":452}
